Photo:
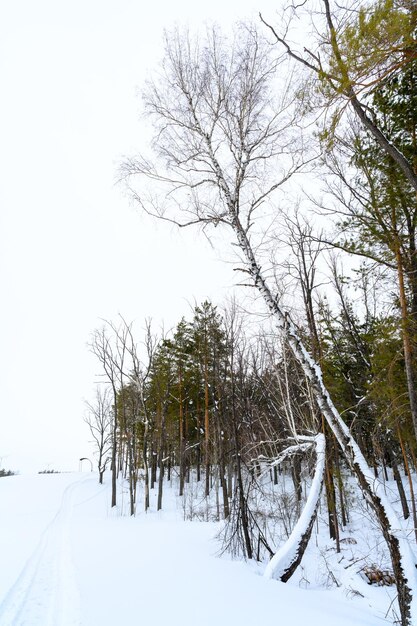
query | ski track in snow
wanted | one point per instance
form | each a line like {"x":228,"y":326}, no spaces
{"x":95,"y":567}
{"x":45,"y":592}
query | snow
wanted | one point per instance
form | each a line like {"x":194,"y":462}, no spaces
{"x":69,"y":559}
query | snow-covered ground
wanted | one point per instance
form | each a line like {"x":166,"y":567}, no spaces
{"x":68,"y":559}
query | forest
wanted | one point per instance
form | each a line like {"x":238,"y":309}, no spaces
{"x":296,"y":142}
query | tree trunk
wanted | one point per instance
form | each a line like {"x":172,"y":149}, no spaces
{"x":146,"y":464}
{"x":206,"y":427}
{"x":169,"y":467}
{"x":331,"y":502}
{"x":343,"y":509}
{"x":162,"y":450}
{"x":160,"y":481}
{"x":114,"y":455}
{"x":400,"y":486}
{"x":132,"y":477}
{"x":296,"y":479}
{"x":410,"y":481}
{"x":182,"y":439}
{"x":408,"y":350}
{"x":230,"y":471}
{"x":226,"y":510}
{"x":154,"y":464}
{"x":243,"y":507}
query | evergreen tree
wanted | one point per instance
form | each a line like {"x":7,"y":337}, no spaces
{"x":209,"y":353}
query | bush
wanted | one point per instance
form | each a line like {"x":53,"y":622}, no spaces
{"x":4,"y":472}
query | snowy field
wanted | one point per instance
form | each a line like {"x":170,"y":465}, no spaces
{"x":68,"y":559}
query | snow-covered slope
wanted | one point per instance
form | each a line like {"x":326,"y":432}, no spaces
{"x":68,"y":559}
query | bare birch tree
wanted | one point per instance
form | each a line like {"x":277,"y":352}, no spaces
{"x":99,"y":419}
{"x":101,"y":346}
{"x":219,"y":142}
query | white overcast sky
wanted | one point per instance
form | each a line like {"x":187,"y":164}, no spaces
{"x":72,"y":249}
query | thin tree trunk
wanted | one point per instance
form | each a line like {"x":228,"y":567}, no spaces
{"x":230,"y":478}
{"x":243,"y":507}
{"x":226,"y":510}
{"x":146,"y":465}
{"x":114,"y":454}
{"x":408,"y":351}
{"x":182,"y":439}
{"x":160,"y":481}
{"x":198,"y":454}
{"x":410,"y":481}
{"x":400,"y":486}
{"x":169,"y":467}
{"x":198,"y":448}
{"x":296,"y":479}
{"x":132,"y":478}
{"x":343,"y":509}
{"x":154,"y":464}
{"x":331,"y":502}
{"x":206,"y":427}
{"x":162,"y":446}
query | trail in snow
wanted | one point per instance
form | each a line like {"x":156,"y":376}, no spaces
{"x":89,"y":566}
{"x":45,"y":592}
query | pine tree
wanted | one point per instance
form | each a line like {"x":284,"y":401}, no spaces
{"x":209,"y":351}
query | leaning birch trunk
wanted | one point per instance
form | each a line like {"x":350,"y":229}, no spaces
{"x":402,"y":558}
{"x":286,"y":560}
